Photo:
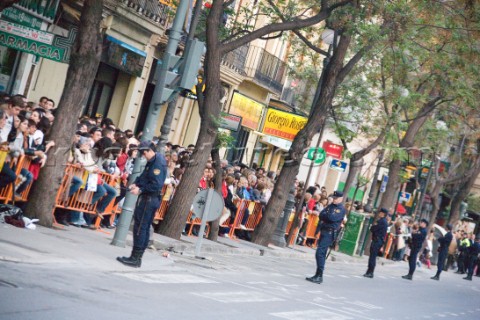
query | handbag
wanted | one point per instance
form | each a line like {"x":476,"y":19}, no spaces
{"x":92,"y":182}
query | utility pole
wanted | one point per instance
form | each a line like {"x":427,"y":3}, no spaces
{"x":149,"y":128}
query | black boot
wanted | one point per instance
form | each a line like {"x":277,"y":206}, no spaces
{"x":368,"y":274}
{"x":436,"y":277}
{"x":468,"y":278}
{"x":135,"y":259}
{"x":317,"y":278}
{"x":408,"y":277}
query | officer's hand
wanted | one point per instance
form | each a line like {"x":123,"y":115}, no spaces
{"x":135,"y":191}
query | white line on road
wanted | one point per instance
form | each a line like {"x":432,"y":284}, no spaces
{"x":165,"y":278}
{"x":237,"y":296}
{"x":311,"y":315}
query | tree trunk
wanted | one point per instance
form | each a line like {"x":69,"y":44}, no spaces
{"x":462,"y":194}
{"x":167,"y":122}
{"x":84,"y":62}
{"x":389,"y":198}
{"x":209,"y":107}
{"x":214,"y":225}
{"x":355,"y":168}
{"x":7,"y":3}
{"x":263,"y":232}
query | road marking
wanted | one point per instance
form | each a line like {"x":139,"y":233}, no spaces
{"x":342,"y":276}
{"x":355,"y":315}
{"x":256,"y":282}
{"x":165,"y":278}
{"x":311,"y":315}
{"x":366,"y":305}
{"x":237,"y":296}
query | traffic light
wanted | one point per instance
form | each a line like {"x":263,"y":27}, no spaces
{"x":192,"y":63}
{"x":182,"y":71}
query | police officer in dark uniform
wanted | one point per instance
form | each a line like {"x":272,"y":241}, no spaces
{"x":444,"y":243}
{"x":330,"y":220}
{"x":148,"y":186}
{"x":473,"y":252}
{"x":419,"y":234}
{"x":379,"y":231}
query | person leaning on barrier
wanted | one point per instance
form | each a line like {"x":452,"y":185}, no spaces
{"x":379,"y":232}
{"x":148,"y":186}
{"x":444,"y":244}
{"x":330,"y":220}
{"x":419,"y":234}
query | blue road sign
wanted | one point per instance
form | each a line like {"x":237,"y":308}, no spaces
{"x":338,"y":165}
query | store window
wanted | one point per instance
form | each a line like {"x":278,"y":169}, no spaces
{"x":100,"y":97}
{"x":7,"y":67}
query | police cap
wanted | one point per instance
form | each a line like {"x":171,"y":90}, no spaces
{"x":424,"y":221}
{"x":146,"y":145}
{"x":384,"y":210}
{"x":337,"y":194}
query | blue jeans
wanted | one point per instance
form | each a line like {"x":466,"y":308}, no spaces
{"x":29,"y":178}
{"x":106,"y":193}
{"x":326,"y":239}
{"x":143,"y":216}
{"x":75,"y":185}
{"x":7,"y":175}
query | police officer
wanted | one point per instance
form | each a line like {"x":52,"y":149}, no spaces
{"x":330,"y":220}
{"x":379,"y":231}
{"x":444,"y":243}
{"x":148,"y":186}
{"x":419,"y":234}
{"x":473,"y":252}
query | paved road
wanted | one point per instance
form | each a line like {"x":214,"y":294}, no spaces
{"x":230,"y":287}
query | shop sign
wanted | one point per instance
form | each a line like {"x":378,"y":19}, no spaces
{"x":123,"y":56}
{"x":277,"y":142}
{"x":45,"y":9}
{"x":21,"y":17}
{"x":333,"y":150}
{"x":338,"y":165}
{"x":25,"y":32}
{"x":230,"y":122}
{"x":283,"y":124}
{"x":319,"y":156}
{"x":383,"y":186}
{"x":249,"y":109}
{"x":32,"y":46}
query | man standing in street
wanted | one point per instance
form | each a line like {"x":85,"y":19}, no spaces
{"x":148,"y":186}
{"x":418,"y":237}
{"x":444,"y":244}
{"x":473,"y":252}
{"x":330,"y":220}
{"x":379,"y":231}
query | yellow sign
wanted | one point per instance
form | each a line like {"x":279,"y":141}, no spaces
{"x":283,"y":124}
{"x":167,"y":3}
{"x":249,"y":109}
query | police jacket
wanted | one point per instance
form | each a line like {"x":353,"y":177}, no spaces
{"x":332,"y":216}
{"x":379,"y":230}
{"x":418,"y":238}
{"x":474,"y":250}
{"x":444,"y":241}
{"x":151,"y":181}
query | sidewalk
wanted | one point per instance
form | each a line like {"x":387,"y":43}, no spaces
{"x":92,"y":249}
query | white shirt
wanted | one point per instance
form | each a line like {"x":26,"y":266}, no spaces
{"x":6,"y":129}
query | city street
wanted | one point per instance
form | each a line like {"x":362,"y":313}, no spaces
{"x":220,"y":287}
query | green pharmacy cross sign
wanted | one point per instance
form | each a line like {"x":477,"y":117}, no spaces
{"x":320,"y":155}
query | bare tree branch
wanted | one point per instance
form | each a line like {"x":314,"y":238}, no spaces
{"x":293,"y":24}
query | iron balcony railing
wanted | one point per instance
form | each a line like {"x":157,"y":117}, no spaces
{"x":237,"y":59}
{"x":155,"y":10}
{"x":267,"y":69}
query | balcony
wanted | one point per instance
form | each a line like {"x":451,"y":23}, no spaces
{"x":155,"y":10}
{"x":266,"y":69}
{"x":237,"y":59}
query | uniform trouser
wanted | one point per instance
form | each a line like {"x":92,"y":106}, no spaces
{"x":326,"y":239}
{"x":442,"y":255}
{"x":372,"y":259}
{"x":472,"y":261}
{"x":412,"y":261}
{"x":461,"y":262}
{"x":143,"y":216}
